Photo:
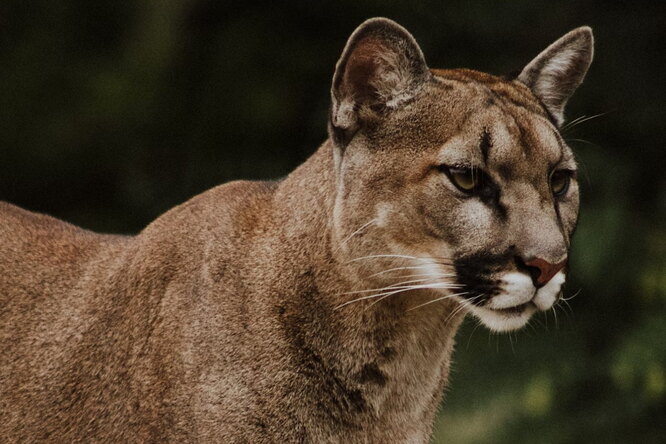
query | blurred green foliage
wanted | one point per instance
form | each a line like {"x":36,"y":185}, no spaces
{"x":112,"y":112}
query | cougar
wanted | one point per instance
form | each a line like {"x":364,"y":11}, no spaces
{"x":318,"y":308}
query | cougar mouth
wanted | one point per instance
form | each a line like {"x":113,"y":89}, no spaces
{"x":515,"y":310}
{"x":504,"y":319}
{"x":515,"y":299}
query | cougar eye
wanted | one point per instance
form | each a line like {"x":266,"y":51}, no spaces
{"x":466,"y":179}
{"x":559,"y":182}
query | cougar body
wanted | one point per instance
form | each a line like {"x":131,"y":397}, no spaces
{"x":318,"y":308}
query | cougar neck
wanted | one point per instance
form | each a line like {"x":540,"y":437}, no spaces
{"x":391,"y":364}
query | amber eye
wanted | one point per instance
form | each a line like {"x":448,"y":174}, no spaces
{"x":466,"y":179}
{"x":559,"y":182}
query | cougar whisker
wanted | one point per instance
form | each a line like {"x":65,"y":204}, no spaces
{"x":563,"y":308}
{"x":407,"y":276}
{"x":417,"y":267}
{"x":380,"y":256}
{"x":418,"y":280}
{"x":557,"y":327}
{"x":572,"y":296}
{"x":582,"y":119}
{"x":566,"y":303}
{"x":384,"y":294}
{"x":582,"y":141}
{"x":390,"y":287}
{"x":429,"y":260}
{"x":464,"y":304}
{"x":448,"y":296}
{"x":358,"y":231}
{"x":416,"y":287}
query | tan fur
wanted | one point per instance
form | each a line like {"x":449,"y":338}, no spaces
{"x":229,"y":318}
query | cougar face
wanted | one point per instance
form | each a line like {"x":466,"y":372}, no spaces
{"x":465,"y":188}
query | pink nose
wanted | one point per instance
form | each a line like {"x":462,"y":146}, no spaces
{"x":546,"y":269}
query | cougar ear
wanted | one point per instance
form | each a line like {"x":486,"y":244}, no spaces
{"x":380,"y":68}
{"x":554,"y":75}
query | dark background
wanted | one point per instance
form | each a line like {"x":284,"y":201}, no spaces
{"x":111,"y":112}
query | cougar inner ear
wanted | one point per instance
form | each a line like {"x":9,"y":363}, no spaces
{"x":380,"y":68}
{"x":554,"y":75}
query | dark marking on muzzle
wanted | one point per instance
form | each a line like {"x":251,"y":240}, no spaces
{"x":474,"y":272}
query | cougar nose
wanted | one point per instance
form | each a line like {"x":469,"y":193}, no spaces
{"x":543,"y":271}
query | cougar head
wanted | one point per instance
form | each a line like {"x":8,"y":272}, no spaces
{"x":455,"y":181}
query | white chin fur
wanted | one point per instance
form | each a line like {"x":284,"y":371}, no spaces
{"x":503,"y":321}
{"x":517,"y":290}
